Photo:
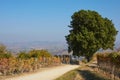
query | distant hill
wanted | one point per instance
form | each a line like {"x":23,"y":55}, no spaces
{"x":117,"y":45}
{"x":53,"y":47}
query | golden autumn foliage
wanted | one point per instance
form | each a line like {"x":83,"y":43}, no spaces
{"x":26,"y":62}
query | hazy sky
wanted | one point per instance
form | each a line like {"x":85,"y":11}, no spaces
{"x":48,"y":20}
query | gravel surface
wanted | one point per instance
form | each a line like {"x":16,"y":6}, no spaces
{"x":48,"y":74}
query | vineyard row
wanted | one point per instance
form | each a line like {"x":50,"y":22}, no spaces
{"x":109,"y":63}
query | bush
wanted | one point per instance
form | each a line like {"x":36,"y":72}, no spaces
{"x":23,"y":55}
{"x":39,"y":53}
{"x":109,"y":62}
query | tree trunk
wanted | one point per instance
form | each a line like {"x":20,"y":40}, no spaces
{"x":88,"y":59}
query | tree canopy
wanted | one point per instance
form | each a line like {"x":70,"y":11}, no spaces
{"x":90,"y":32}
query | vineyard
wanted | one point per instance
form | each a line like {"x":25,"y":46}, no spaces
{"x":109,"y":63}
{"x":26,"y":62}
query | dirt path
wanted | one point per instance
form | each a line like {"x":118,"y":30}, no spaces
{"x":49,"y":74}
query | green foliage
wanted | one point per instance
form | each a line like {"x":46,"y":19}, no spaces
{"x":90,"y":32}
{"x":2,"y":48}
{"x":33,"y":54}
{"x":23,"y":55}
{"x":39,"y":53}
{"x":68,"y":76}
{"x":4,"y":53}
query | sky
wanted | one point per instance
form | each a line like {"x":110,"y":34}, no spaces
{"x":48,"y":20}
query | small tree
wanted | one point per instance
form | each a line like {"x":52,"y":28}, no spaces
{"x":90,"y":32}
{"x":39,"y":53}
{"x":23,"y":55}
{"x":4,"y":53}
{"x":2,"y":49}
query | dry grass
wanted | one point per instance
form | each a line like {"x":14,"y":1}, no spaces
{"x":85,"y":72}
{"x":68,"y":76}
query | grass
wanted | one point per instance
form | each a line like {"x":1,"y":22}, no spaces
{"x":88,"y":75}
{"x":69,"y":75}
{"x":82,"y":73}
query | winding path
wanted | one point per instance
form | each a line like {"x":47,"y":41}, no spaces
{"x":48,"y":74}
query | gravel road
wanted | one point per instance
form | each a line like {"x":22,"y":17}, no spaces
{"x":48,"y":74}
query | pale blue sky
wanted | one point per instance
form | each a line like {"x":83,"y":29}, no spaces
{"x":48,"y":20}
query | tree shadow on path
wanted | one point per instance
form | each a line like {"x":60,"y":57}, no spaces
{"x":89,"y":75}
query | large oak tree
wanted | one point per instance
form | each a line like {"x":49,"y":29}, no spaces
{"x":90,"y":32}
